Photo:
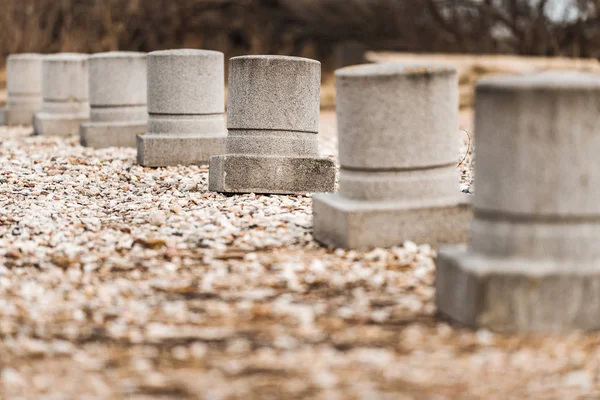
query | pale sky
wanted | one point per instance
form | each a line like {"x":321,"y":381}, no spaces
{"x":561,"y":10}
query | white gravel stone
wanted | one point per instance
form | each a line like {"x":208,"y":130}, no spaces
{"x":80,"y":263}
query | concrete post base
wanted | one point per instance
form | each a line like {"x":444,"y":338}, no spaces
{"x":518,"y":294}
{"x":16,"y":116}
{"x":58,"y":124}
{"x":162,"y":150}
{"x":237,"y":173}
{"x":111,"y":134}
{"x":358,"y":224}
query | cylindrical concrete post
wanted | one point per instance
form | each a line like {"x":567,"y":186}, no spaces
{"x":398,"y":132}
{"x":274,"y":106}
{"x":537,"y":208}
{"x":398,"y":150}
{"x":118,"y":95}
{"x":186,"y":90}
{"x":272,"y":121}
{"x":395,"y":117}
{"x":65,"y":94}
{"x":24,"y":89}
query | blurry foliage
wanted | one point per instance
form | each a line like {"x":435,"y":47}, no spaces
{"x":531,"y":27}
{"x":301,"y":27}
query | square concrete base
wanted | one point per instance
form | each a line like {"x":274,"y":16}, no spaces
{"x":111,"y":134}
{"x":354,"y":224}
{"x":14,"y":117}
{"x":236,"y":173}
{"x":166,"y":150}
{"x":58,"y":124}
{"x":518,"y":295}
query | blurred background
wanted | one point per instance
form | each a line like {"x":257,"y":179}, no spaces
{"x":336,"y":32}
{"x":333,"y":31}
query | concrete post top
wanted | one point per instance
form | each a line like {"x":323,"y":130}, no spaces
{"x":26,"y":57}
{"x":273,"y":58}
{"x":187,"y":53}
{"x":118,"y":54}
{"x":546,"y":80}
{"x":60,"y":57}
{"x":392,"y":69}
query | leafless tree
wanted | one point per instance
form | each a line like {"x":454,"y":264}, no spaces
{"x":302,"y":27}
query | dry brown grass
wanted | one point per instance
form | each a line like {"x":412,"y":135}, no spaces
{"x":471,"y":68}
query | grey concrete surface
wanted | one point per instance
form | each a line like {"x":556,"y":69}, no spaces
{"x":360,"y":224}
{"x":65,"y":93}
{"x":118,"y":95}
{"x":186,"y":125}
{"x":186,"y":82}
{"x":273,"y":121}
{"x":394,"y":116}
{"x":24,"y":89}
{"x":274,"y":92}
{"x":237,"y":173}
{"x":398,"y":148}
{"x":533,"y":264}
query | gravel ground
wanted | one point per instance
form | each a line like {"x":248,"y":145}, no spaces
{"x":118,"y":281}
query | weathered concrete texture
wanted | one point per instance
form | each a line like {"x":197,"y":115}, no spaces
{"x":273,"y":121}
{"x":24,"y":89}
{"x":420,"y":185}
{"x":181,"y":140}
{"x":65,"y":95}
{"x":118,"y":82}
{"x":270,"y":175}
{"x":268,"y":142}
{"x":186,"y":82}
{"x":533,"y":263}
{"x":118,"y":79}
{"x":275,"y":93}
{"x":186,"y":125}
{"x":398,"y":142}
{"x":57,"y":124}
{"x":535,"y":238}
{"x":114,"y":134}
{"x":13,"y":117}
{"x":163,"y":150}
{"x":559,"y":132}
{"x":518,"y":294}
{"x":356,"y":224}
{"x":394,"y":116}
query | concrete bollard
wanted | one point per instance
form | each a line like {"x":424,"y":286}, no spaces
{"x":186,"y":105}
{"x":65,"y":94}
{"x":117,"y":82}
{"x":398,"y":150}
{"x":24,"y":89}
{"x":533,"y":264}
{"x":273,"y":121}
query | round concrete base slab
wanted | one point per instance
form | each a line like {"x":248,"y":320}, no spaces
{"x":111,"y":134}
{"x":357,"y":224}
{"x":236,"y":173}
{"x":162,"y":150}
{"x":517,"y":294}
